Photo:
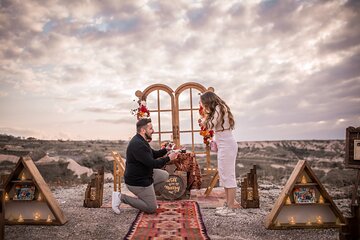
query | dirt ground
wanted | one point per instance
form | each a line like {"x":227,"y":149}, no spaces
{"x":102,"y":223}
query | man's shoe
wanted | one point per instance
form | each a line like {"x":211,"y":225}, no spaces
{"x":116,"y":201}
{"x":227,"y":212}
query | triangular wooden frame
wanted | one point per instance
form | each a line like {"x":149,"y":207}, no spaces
{"x":300,"y":169}
{"x":46,"y":194}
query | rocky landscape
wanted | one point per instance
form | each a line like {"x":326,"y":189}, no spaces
{"x":68,"y":165}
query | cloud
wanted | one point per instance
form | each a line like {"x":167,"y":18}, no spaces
{"x":276,"y":63}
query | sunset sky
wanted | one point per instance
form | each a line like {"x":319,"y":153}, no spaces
{"x":288,"y":69}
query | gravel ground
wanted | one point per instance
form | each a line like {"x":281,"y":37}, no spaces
{"x":102,"y":223}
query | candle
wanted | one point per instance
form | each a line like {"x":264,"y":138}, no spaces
{"x":308,"y":223}
{"x":21,"y":219}
{"x":288,"y":200}
{"x":319,"y":220}
{"x":303,"y":179}
{"x":292,"y":221}
{"x":321,"y":199}
{"x":49,"y":220}
{"x":92,"y":194}
{"x":36,"y":216}
{"x":39,"y":197}
{"x":23,"y":177}
{"x":250,"y":195}
{"x":6,"y":196}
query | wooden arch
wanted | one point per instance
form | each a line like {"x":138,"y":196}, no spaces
{"x":142,"y":95}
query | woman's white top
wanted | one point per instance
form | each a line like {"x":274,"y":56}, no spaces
{"x":217,"y":120}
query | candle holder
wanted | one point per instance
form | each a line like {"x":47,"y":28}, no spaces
{"x":288,"y":201}
{"x":321,"y":199}
{"x":39,"y":197}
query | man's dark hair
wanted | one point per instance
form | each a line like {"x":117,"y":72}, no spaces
{"x":142,"y":123}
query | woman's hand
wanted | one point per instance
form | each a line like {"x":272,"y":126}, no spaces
{"x":173,"y":155}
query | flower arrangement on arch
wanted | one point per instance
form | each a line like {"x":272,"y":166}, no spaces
{"x":141,"y":111}
{"x":207,"y":134}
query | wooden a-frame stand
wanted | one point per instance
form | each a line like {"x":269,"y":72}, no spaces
{"x":38,"y":205}
{"x":304,"y":203}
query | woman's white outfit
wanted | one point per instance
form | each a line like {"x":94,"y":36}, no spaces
{"x":227,"y":150}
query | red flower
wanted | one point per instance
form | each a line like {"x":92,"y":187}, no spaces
{"x":141,"y":111}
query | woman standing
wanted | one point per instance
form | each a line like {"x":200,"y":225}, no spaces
{"x":219,"y":118}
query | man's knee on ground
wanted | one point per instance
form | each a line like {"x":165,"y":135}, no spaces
{"x":151,"y":209}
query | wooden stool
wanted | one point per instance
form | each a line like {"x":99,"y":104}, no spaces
{"x":119,"y":170}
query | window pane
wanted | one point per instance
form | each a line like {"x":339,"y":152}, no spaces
{"x":184,"y":119}
{"x":185,"y":140}
{"x":151,"y":101}
{"x":184,"y":99}
{"x":165,"y":101}
{"x":166,"y":121}
{"x":196,"y":98}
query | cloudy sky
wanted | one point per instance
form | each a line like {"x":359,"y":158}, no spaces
{"x":288,"y":69}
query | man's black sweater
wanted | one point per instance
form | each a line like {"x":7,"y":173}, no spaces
{"x":141,"y":159}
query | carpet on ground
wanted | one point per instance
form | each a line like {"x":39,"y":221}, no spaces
{"x":172,"y":220}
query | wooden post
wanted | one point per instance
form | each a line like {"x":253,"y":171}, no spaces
{"x":212,"y":184}
{"x":355,"y":190}
{"x":208,"y":161}
{"x":352,"y":230}
{"x":2,"y":213}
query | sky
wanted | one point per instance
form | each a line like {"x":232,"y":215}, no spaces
{"x":288,"y":69}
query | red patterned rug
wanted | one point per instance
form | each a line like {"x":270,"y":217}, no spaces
{"x":172,"y":220}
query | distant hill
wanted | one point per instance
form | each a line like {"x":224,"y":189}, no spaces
{"x":275,"y":160}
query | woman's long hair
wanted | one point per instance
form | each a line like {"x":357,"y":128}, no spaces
{"x":209,"y":101}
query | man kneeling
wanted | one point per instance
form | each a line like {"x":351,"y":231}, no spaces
{"x":143,"y":175}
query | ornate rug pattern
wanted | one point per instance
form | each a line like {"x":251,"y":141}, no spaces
{"x":172,"y":220}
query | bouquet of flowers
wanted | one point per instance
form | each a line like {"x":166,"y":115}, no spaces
{"x":207,"y":134}
{"x":141,"y":111}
